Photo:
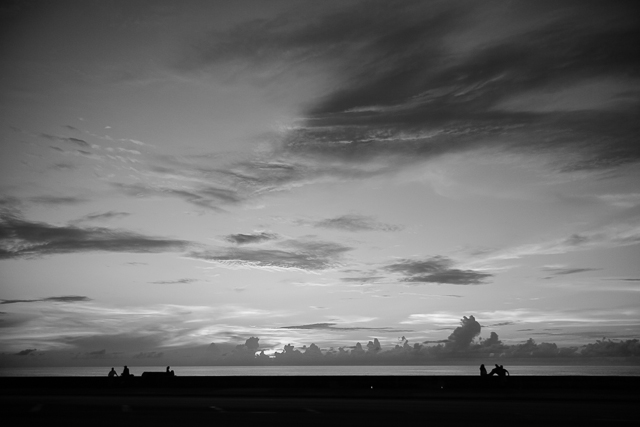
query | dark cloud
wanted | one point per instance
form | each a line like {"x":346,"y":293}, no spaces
{"x":609,"y":348}
{"x":174,"y":282}
{"x":332,"y":327}
{"x":407,"y":87}
{"x":103,"y":216}
{"x":461,"y":337}
{"x":53,"y":200}
{"x":27,"y":352}
{"x":365,"y":279}
{"x":493,"y":325}
{"x":69,"y":127}
{"x":149,"y":355}
{"x":355,"y":223}
{"x":76,"y":141}
{"x":202,"y":196}
{"x":22,"y":238}
{"x":66,"y":298}
{"x":436,"y":270}
{"x":561,"y":271}
{"x":243,"y":239}
{"x":299,"y":254}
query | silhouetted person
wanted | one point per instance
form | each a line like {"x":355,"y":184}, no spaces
{"x":503,"y":372}
{"x":125,"y":372}
{"x":112,"y":373}
{"x":483,"y":371}
{"x":495,"y":371}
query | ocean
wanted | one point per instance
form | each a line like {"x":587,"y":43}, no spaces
{"x":322,"y":370}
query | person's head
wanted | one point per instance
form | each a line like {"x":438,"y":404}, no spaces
{"x":482,"y":366}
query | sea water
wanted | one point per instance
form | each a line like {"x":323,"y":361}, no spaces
{"x":198,"y":371}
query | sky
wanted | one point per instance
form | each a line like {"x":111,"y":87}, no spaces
{"x":180,"y":173}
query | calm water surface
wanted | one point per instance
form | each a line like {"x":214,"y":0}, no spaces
{"x":321,"y":370}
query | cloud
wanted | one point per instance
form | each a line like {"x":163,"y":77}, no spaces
{"x":54,"y":200}
{"x":410,"y":81}
{"x":204,"y":196}
{"x":149,"y":355}
{"x":564,"y":271}
{"x":609,"y":236}
{"x":243,"y":239}
{"x":174,"y":282}
{"x":332,"y":327}
{"x":76,"y":141}
{"x":26,"y":352}
{"x":102,"y":216}
{"x":355,"y":223}
{"x":365,"y":279}
{"x":66,"y":298}
{"x":21,"y":238}
{"x":307,"y":255}
{"x":462,"y":336}
{"x":436,"y":270}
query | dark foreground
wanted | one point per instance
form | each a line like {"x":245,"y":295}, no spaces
{"x":316,"y":401}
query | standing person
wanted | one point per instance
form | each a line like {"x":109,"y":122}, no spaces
{"x":483,"y":371}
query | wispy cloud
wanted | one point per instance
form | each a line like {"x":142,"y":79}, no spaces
{"x":333,"y":327}
{"x":66,"y":298}
{"x":436,"y":270}
{"x":434,"y":92}
{"x":58,"y":200}
{"x":243,"y":239}
{"x":564,"y":271}
{"x":204,"y":196}
{"x":102,"y":216}
{"x":609,"y":236}
{"x":174,"y":282}
{"x":355,"y":223}
{"x":76,"y":141}
{"x":22,"y":238}
{"x":305,"y":255}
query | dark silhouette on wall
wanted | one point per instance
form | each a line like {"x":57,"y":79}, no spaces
{"x":483,"y":371}
{"x":112,"y":373}
{"x":125,"y":373}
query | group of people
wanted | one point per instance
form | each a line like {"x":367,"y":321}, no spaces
{"x":499,"y":370}
{"x":125,"y":372}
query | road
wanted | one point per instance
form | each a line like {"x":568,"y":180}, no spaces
{"x":318,"y":411}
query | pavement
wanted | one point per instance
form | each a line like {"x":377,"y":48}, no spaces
{"x":131,"y":410}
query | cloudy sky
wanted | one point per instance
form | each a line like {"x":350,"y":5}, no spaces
{"x":180,"y":173}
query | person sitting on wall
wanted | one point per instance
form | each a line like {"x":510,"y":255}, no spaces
{"x":494,"y":371}
{"x":112,"y":373}
{"x":125,"y":372}
{"x":483,"y":371}
{"x":503,"y":372}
